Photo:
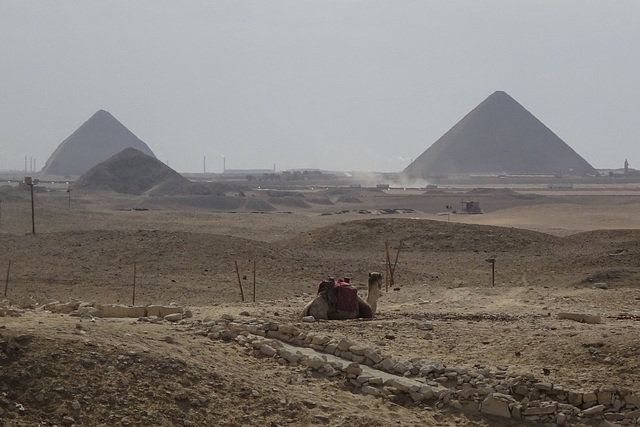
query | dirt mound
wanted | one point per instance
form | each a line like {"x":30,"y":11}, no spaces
{"x":133,"y":172}
{"x":211,"y":202}
{"x":348,"y":199}
{"x":289,"y":201}
{"x":320,"y":201}
{"x":420,"y":235}
{"x":11,"y":193}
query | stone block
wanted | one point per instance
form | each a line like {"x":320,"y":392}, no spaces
{"x":582,"y":318}
{"x":497,"y":404}
{"x":632,"y":401}
{"x":122,"y":311}
{"x":594,"y":410}
{"x":604,"y":398}
{"x":544,"y":409}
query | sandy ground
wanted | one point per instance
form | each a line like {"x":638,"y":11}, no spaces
{"x":554,"y":253}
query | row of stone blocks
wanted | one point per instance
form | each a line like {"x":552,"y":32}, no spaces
{"x":491,"y":392}
{"x":83,"y":309}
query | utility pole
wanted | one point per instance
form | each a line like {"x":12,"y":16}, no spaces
{"x":30,"y":183}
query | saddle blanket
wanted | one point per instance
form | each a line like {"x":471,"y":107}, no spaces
{"x":347,"y":297}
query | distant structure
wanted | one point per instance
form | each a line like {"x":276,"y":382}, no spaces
{"x":499,"y":136}
{"x":95,"y":141}
{"x":471,"y":207}
{"x":133,"y":172}
{"x":626,"y":167}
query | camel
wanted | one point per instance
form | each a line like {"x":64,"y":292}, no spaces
{"x":339,"y":300}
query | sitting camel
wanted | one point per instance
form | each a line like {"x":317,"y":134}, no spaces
{"x":339,"y":300}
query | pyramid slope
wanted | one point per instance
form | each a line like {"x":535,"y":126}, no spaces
{"x":95,"y":141}
{"x":133,"y":172}
{"x":499,"y":136}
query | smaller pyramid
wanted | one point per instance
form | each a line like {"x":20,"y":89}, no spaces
{"x":95,"y":141}
{"x":133,"y":172}
{"x":498,"y":136}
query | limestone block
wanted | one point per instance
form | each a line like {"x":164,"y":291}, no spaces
{"x":561,"y":419}
{"x":632,"y":401}
{"x":330,"y":348}
{"x":63,"y":308}
{"x":612,"y":416}
{"x":543,"y":386}
{"x":388,"y":364}
{"x":598,"y":409}
{"x":344,"y":344}
{"x":90,"y":311}
{"x":367,"y":389}
{"x":122,"y":311}
{"x":373,"y":356}
{"x":589,"y":397}
{"x":288,"y":329}
{"x":401,"y":385}
{"x":521,"y":390}
{"x":497,"y":404}
{"x":582,"y":318}
{"x":574,"y":398}
{"x":320,"y":339}
{"x":267,"y":350}
{"x":163,"y":310}
{"x":358,"y":349}
{"x":173,"y":317}
{"x":416,"y":396}
{"x":363,"y":379}
{"x":427,"y":392}
{"x":354,"y":369}
{"x":604,"y":398}
{"x":357,"y":358}
{"x":544,"y":409}
{"x":633,"y":414}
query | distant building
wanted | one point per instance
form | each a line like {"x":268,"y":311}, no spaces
{"x":472,"y":207}
{"x":561,"y":185}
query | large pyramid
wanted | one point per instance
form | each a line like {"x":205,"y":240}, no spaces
{"x":133,"y":172}
{"x":95,"y":141}
{"x":498,"y":136}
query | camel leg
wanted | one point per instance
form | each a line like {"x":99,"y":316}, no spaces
{"x":364,"y":310}
{"x":318,"y":308}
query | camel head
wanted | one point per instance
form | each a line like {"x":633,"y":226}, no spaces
{"x":375,"y":278}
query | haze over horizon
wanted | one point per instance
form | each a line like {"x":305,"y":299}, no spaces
{"x":332,"y":84}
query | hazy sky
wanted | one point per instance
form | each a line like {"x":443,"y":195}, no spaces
{"x":334,"y":84}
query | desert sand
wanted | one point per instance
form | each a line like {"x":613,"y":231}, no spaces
{"x":555,"y":252}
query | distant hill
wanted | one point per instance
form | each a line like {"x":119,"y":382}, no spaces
{"x":134,"y":172}
{"x":499,"y":136}
{"x":95,"y":141}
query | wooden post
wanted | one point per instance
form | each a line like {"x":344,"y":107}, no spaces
{"x":493,"y":270}
{"x":387,"y":267}
{"x":133,"y":300}
{"x":33,"y":215}
{"x":254,"y":281}
{"x":239,"y":281}
{"x":493,"y":274}
{"x":6,"y":283}
{"x":393,"y":269}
